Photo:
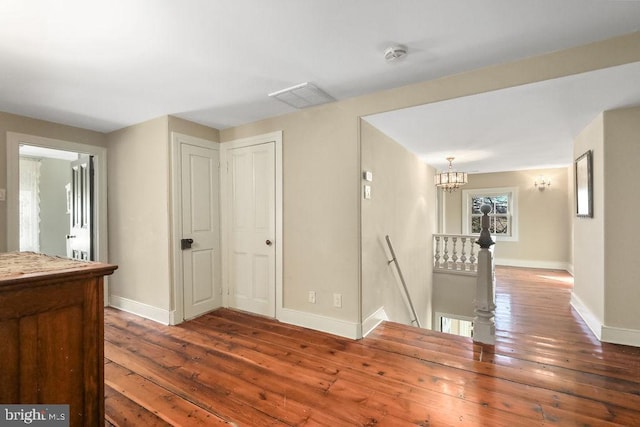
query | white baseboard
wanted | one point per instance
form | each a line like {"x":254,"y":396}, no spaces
{"x":621,"y":336}
{"x":570,"y":269}
{"x":140,"y":309}
{"x":549,"y":265}
{"x":589,"y":318}
{"x":605,"y":333}
{"x":372,"y":321}
{"x":172,"y":318}
{"x":317,"y":322}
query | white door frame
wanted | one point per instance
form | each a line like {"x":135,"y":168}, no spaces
{"x":177,"y":139}
{"x":99,"y":154}
{"x":276,"y":138}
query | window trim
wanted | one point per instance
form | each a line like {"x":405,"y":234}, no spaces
{"x":511,"y":192}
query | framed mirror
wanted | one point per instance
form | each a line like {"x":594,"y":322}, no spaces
{"x":584,"y":185}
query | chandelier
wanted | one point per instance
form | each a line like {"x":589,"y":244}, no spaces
{"x":450,"y":181}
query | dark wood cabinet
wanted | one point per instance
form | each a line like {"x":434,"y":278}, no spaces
{"x":51,"y":334}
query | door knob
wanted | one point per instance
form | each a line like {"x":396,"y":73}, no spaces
{"x":269,"y":242}
{"x":186,"y":243}
{"x":69,"y":236}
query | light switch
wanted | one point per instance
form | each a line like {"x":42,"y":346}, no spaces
{"x":367,"y":192}
{"x":367,"y":176}
{"x":3,"y":194}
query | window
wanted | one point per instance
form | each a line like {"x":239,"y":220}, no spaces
{"x":503,"y":216}
{"x":29,"y":204}
{"x":456,"y":325}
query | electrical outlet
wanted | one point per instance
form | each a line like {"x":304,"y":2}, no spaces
{"x":337,"y":300}
{"x":312,"y":297}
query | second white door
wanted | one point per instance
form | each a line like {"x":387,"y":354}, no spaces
{"x":251,"y":208}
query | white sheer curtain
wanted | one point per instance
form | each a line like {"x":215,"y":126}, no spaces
{"x":29,"y":204}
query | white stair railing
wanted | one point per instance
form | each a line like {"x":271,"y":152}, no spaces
{"x":455,"y":253}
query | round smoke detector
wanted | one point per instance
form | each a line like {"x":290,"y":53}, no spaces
{"x":393,"y":53}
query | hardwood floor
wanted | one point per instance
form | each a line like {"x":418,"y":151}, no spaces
{"x":231,"y":368}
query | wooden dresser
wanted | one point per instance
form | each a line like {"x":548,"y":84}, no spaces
{"x":52,"y":334}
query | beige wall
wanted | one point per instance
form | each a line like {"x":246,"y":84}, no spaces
{"x":454,"y":294}
{"x":29,"y":126}
{"x":544,"y":229}
{"x":320,"y":212}
{"x":322,"y":165}
{"x":606,"y":291}
{"x":570,"y":215}
{"x":621,"y":205}
{"x":196,"y":130}
{"x":588,"y":243}
{"x":139,"y":191}
{"x":54,"y":219}
{"x":402,"y":206}
{"x":139,"y":175}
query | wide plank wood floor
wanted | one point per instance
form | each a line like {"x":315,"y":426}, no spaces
{"x":231,"y":368}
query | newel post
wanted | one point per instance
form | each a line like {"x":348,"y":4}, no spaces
{"x":484,"y":327}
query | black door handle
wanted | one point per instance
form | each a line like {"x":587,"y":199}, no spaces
{"x":268,"y":242}
{"x":186,"y":244}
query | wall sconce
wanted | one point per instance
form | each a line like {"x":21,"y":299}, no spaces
{"x":542,"y":182}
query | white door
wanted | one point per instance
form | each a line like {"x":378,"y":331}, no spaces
{"x":79,"y":239}
{"x":251,"y":256}
{"x":200,"y":229}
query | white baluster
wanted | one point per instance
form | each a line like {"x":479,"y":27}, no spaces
{"x":437,"y":252}
{"x":454,"y":257}
{"x":445,"y":257}
{"x":463,"y":257}
{"x":472,"y":258}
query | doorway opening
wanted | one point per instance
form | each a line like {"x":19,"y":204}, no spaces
{"x":43,"y":190}
{"x":55,"y":203}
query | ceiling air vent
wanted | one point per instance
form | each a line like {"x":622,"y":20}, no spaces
{"x":302,"y":96}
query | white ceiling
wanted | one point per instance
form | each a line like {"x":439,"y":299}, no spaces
{"x":525,"y":127}
{"x":103,"y":65}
